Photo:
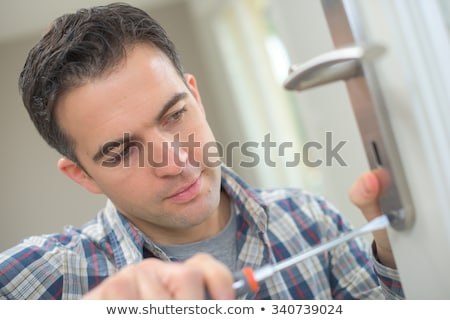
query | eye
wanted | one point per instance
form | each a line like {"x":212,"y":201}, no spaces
{"x":125,"y":152}
{"x":176,"y":116}
{"x":116,"y":157}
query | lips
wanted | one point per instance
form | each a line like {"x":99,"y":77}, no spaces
{"x":187,"y":193}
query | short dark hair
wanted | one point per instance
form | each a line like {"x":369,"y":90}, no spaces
{"x":78,"y":47}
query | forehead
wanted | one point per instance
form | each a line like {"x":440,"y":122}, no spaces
{"x":105,"y":107}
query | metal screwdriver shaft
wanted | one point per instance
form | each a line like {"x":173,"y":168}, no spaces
{"x":248,"y":279}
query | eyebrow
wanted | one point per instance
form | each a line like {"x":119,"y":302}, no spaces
{"x":169,"y":104}
{"x":110,"y":145}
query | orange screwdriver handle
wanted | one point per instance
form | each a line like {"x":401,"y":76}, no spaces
{"x":246,"y":278}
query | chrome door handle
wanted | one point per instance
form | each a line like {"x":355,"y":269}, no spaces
{"x":371,"y":116}
{"x":340,"y":64}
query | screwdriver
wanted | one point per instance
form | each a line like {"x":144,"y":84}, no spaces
{"x":248,"y":280}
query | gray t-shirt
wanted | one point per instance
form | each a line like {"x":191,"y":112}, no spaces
{"x":222,"y":246}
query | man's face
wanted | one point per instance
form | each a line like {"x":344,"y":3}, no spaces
{"x":140,"y":134}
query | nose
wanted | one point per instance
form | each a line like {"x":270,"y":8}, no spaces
{"x":168,"y":158}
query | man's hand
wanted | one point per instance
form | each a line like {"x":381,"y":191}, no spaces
{"x":159,"y":280}
{"x":365,"y":193}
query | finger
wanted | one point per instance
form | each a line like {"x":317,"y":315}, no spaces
{"x":120,"y":286}
{"x":365,"y":193}
{"x":152,"y":279}
{"x":182,"y":281}
{"x":216,"y":276}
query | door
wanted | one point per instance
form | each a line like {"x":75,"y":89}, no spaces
{"x":393,"y":59}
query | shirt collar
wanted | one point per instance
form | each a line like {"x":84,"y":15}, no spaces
{"x":248,"y":201}
{"x":126,"y":240}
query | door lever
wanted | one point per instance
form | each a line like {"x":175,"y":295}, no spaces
{"x":340,"y":64}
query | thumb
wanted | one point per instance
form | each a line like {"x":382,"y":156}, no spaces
{"x":364,"y":194}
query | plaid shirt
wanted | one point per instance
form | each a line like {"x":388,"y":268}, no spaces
{"x":272,"y":225}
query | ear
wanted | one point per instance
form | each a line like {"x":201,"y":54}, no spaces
{"x":192,"y":85}
{"x":77,"y":174}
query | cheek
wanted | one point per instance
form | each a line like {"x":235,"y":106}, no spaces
{"x":122,"y":181}
{"x":207,"y":150}
{"x":136,"y":157}
{"x":196,"y":139}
